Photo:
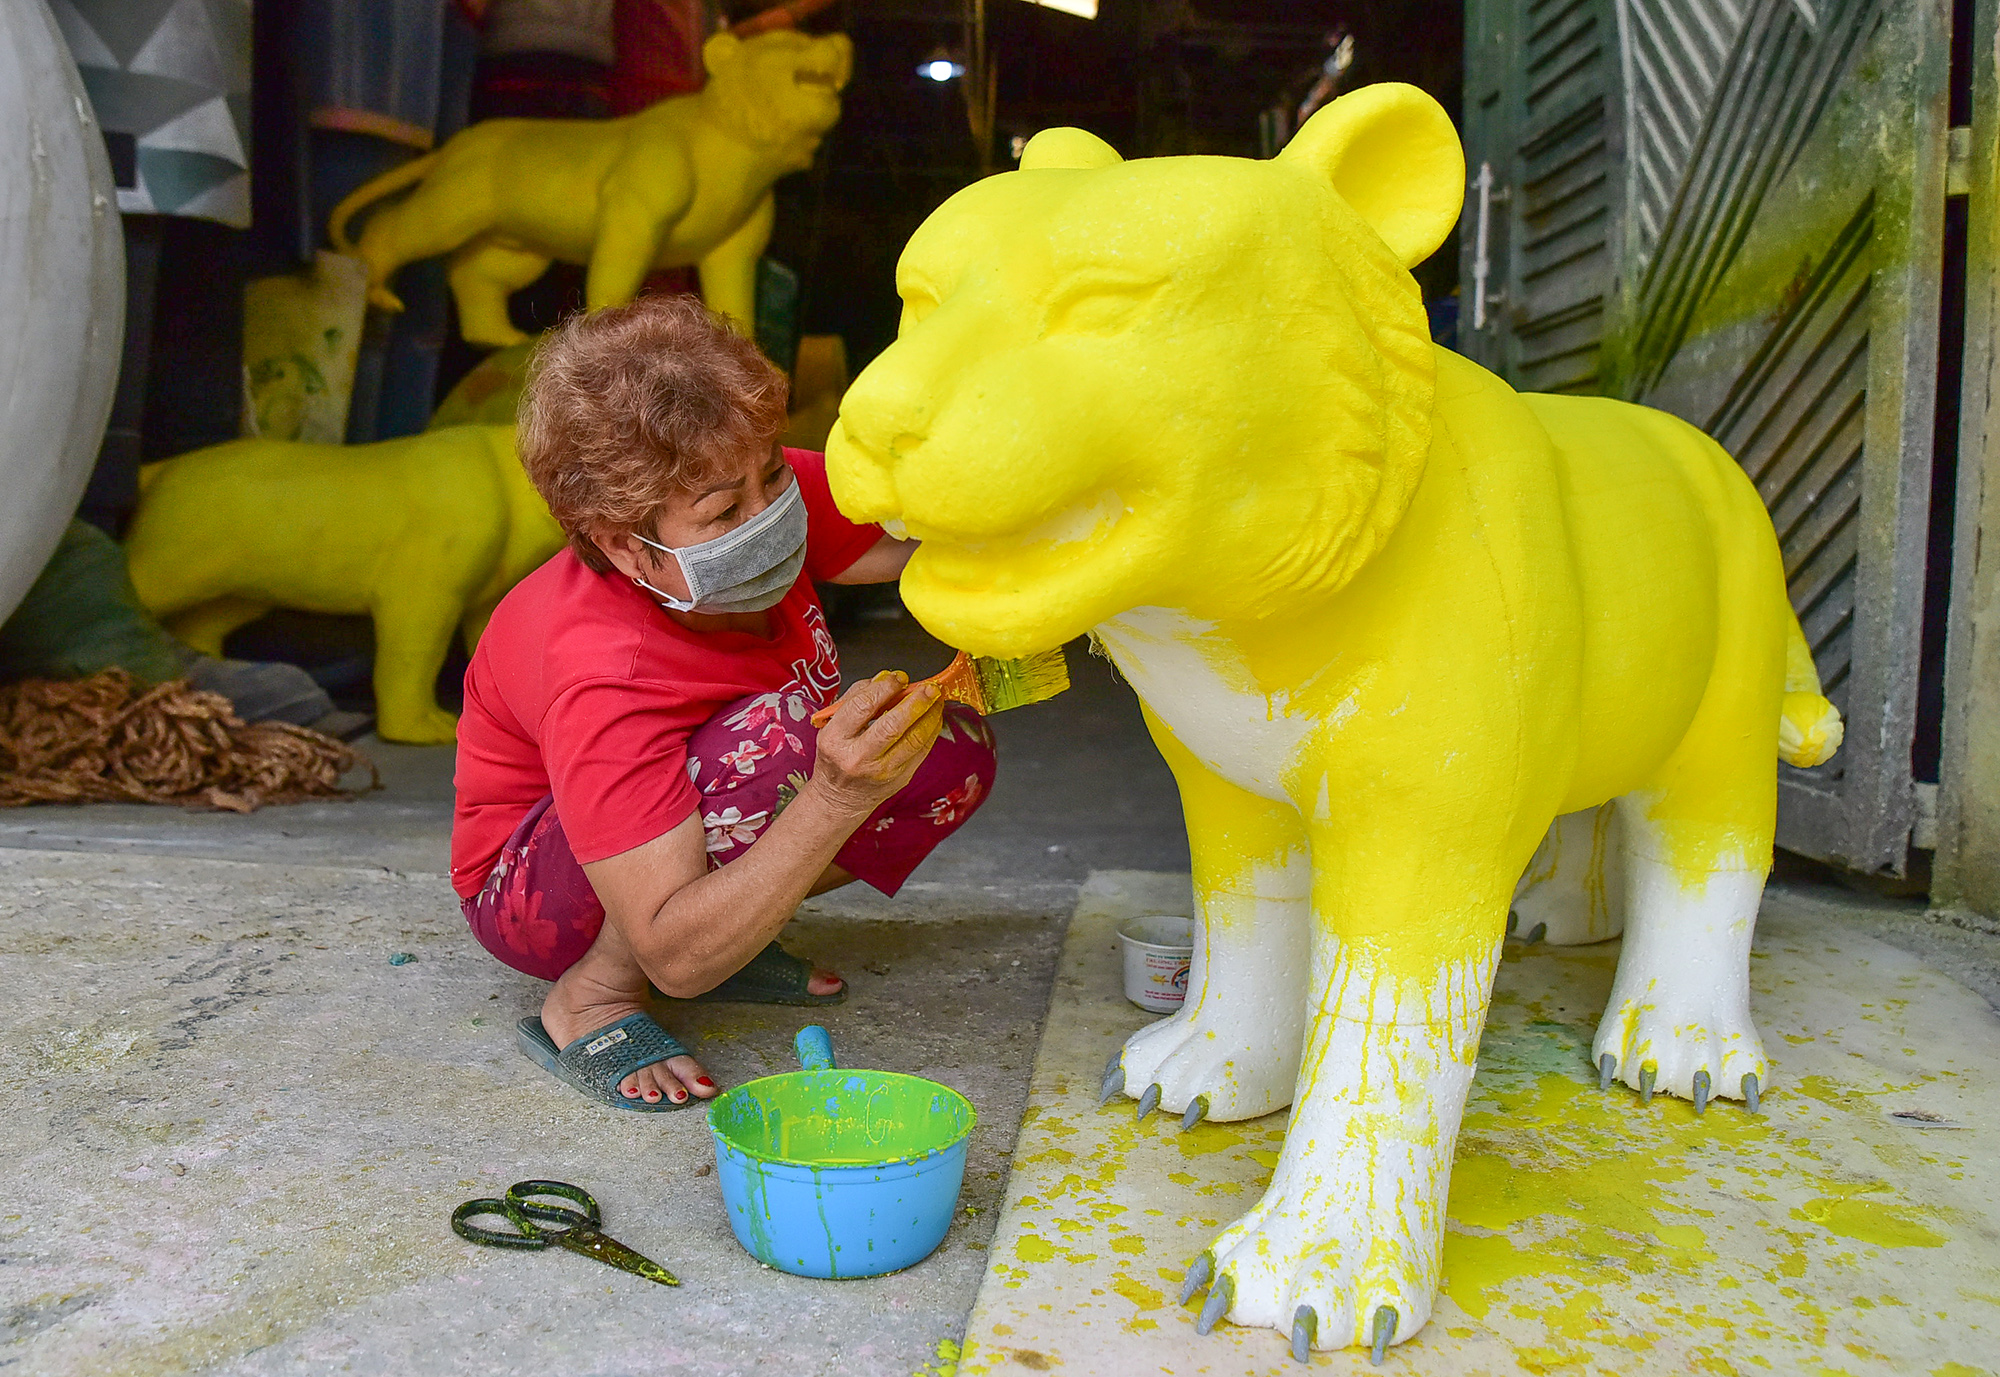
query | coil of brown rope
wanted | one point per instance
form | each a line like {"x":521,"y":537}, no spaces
{"x":110,"y":739}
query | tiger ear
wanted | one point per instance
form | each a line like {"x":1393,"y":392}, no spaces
{"x":1067,"y":148}
{"x":1391,"y":153}
{"x":720,"y":51}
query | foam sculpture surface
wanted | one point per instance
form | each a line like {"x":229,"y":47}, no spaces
{"x":424,"y":534}
{"x":684,"y":183}
{"x":62,"y":291}
{"x":1388,"y":620}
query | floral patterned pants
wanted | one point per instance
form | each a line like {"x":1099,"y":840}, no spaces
{"x":538,"y":913}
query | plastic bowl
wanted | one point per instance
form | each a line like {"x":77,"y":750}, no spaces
{"x":839,"y":1173}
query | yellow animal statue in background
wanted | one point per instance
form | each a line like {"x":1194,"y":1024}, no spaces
{"x":686,"y":182}
{"x":425,"y":534}
{"x":1388,"y":620}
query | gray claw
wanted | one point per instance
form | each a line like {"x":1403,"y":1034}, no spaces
{"x":1305,"y":1328}
{"x":1607,"y":1066}
{"x":1197,"y":1110}
{"x":1221,"y":1296}
{"x":1513,"y":921}
{"x":1647,"y":1074}
{"x":1700,"y":1091}
{"x":1149,"y":1101}
{"x":1385,"y":1330}
{"x":1750,"y":1091}
{"x":1537,"y":933}
{"x":1197,"y":1276}
{"x":1114,"y":1083}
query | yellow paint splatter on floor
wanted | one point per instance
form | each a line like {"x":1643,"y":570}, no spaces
{"x":945,"y":1364}
{"x":1586,"y":1232}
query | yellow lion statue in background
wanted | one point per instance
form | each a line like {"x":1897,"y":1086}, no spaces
{"x":684,"y":183}
{"x":425,"y":534}
{"x":1388,"y":620}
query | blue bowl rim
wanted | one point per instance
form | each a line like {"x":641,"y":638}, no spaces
{"x":724,"y":1140}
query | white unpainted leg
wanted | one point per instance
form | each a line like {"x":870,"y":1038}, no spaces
{"x":1238,"y":1037}
{"x":1574,"y":888}
{"x":1353,"y":1219}
{"x":1681,"y":1001}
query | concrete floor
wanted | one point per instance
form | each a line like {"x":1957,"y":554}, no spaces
{"x":238,"y":1131}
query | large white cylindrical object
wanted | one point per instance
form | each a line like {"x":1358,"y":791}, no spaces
{"x":62,"y":291}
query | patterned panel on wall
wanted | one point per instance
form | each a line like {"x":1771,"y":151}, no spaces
{"x":1782,"y":72}
{"x":1674,"y":53}
{"x":1565,"y":188}
{"x":170,"y":84}
{"x":1794,"y":420}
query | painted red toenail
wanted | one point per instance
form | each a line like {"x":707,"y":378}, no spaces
{"x":703,"y":1080}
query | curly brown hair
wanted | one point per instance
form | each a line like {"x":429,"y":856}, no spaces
{"x":626,"y":406}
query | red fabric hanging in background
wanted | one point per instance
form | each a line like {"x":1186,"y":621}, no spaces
{"x":659,"y":50}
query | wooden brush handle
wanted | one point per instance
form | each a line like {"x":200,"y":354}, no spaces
{"x":825,"y":714}
{"x":951,"y":681}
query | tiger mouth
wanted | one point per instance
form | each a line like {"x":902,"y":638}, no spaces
{"x":1081,"y":531}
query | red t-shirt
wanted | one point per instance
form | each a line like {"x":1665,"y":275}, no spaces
{"x":583,"y":687}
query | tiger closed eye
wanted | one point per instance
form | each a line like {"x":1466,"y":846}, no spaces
{"x":1098,"y":307}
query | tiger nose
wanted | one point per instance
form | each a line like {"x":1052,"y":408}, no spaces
{"x":887,"y":410}
{"x":860,"y":470}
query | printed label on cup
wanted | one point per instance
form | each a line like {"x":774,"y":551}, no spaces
{"x":1158,"y":961}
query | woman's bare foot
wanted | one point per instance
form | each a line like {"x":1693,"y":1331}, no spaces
{"x":603,"y":987}
{"x":823,"y":981}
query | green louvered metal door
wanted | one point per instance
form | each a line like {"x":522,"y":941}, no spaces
{"x":1733,"y":209}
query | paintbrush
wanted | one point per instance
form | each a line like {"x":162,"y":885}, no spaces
{"x":990,"y":686}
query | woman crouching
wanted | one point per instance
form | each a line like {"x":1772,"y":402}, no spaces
{"x":641,"y":796}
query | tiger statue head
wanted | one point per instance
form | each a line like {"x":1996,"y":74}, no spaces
{"x":1191,"y":382}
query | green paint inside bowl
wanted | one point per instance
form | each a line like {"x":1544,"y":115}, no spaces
{"x":841,"y":1118}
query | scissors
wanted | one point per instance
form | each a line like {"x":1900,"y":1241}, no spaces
{"x":577,"y":1230}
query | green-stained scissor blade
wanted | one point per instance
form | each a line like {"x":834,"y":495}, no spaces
{"x":593,"y":1244}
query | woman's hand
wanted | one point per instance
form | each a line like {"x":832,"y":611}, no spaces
{"x":878,"y":735}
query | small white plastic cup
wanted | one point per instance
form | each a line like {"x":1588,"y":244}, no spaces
{"x":1158,"y":952}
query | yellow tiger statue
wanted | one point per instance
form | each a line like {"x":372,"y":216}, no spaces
{"x":423,"y":533}
{"x":1388,"y":620}
{"x":684,"y":183}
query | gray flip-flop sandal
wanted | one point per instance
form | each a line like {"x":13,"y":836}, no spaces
{"x":774,"y":976}
{"x":597,"y":1061}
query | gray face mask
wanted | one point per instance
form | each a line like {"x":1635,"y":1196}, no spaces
{"x":746,"y":570}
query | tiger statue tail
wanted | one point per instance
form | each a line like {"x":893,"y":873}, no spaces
{"x":1809,"y":727}
{"x":368,"y":193}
